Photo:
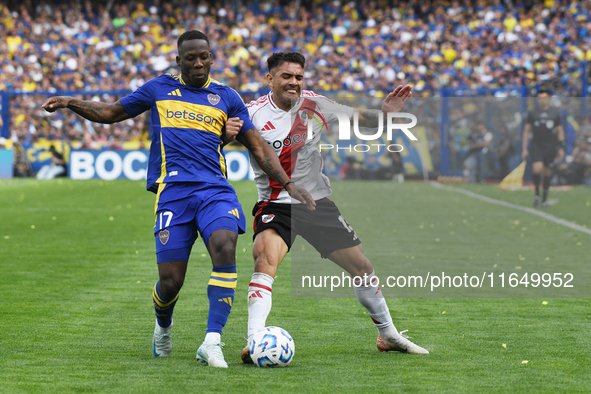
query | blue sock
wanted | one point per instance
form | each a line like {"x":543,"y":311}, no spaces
{"x":220,"y":291}
{"x":163,"y":307}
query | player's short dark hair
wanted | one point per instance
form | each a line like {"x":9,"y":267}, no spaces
{"x":278,"y":58}
{"x":544,"y":90}
{"x":191,"y":35}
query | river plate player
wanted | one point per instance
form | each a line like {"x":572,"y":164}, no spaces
{"x":279,"y":218}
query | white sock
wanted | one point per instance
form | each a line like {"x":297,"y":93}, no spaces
{"x":260,"y":291}
{"x":212,"y":337}
{"x":372,"y":299}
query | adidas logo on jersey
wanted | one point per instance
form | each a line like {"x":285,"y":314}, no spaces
{"x":235,"y":213}
{"x":227,"y":300}
{"x":176,"y":92}
{"x":268,"y":126}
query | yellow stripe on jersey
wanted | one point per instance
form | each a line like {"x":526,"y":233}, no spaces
{"x":179,"y":78}
{"x":225,"y":275}
{"x":163,"y":165}
{"x":206,"y":85}
{"x":219,"y":283}
{"x":160,"y":188}
{"x":185,"y":115}
{"x":222,"y":160}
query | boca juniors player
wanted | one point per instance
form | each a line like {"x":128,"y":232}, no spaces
{"x":187,"y":171}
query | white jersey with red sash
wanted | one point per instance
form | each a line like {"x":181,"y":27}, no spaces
{"x":287,"y":133}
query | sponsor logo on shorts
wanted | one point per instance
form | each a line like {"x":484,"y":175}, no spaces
{"x":164,"y":235}
{"x":235,"y":213}
{"x":213,"y":99}
{"x":267,"y":218}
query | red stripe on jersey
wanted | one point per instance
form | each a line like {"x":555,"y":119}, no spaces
{"x":268,"y":126}
{"x":309,"y":93}
{"x":289,"y":154}
{"x":252,"y":284}
{"x":255,"y":112}
{"x":255,"y":102}
{"x":271,"y":101}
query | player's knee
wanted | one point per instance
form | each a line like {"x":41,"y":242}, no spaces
{"x":171,"y":285}
{"x":367,"y":267}
{"x":222,"y":248}
{"x":362,"y":267}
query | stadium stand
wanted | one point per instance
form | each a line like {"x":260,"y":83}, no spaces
{"x":365,"y":47}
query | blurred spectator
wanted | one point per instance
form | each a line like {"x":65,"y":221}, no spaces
{"x":56,"y":168}
{"x":503,"y":150}
{"x":396,"y":166}
{"x":22,"y":165}
{"x":475,"y":163}
{"x":351,"y":169}
{"x":363,"y":47}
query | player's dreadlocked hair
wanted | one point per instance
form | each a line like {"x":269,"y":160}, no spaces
{"x":191,"y":35}
{"x":277,"y":59}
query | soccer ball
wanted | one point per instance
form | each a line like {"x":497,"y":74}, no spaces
{"x":272,"y":347}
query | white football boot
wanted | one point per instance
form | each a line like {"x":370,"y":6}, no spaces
{"x":162,"y":343}
{"x":211,"y":353}
{"x":400,"y":344}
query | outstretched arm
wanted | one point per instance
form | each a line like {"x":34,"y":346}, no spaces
{"x":92,"y":110}
{"x":394,"y":102}
{"x":267,"y":159}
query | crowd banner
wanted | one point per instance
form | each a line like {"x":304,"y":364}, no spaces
{"x":132,"y":164}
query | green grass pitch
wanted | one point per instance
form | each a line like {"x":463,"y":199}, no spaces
{"x":78,"y":267}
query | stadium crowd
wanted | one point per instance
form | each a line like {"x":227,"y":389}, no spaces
{"x":365,"y":47}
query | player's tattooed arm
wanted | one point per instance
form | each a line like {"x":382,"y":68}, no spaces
{"x":92,"y":110}
{"x":267,"y":159}
{"x":264,"y":155}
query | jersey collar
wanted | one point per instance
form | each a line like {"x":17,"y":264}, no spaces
{"x":205,"y":85}
{"x":277,"y":109}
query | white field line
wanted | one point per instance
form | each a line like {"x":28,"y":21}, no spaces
{"x":532,"y":211}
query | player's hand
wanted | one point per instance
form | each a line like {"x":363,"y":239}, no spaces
{"x":301,"y":195}
{"x":524,"y":155}
{"x":233,"y":127}
{"x":560,"y":156}
{"x":52,"y":104}
{"x":396,"y":100}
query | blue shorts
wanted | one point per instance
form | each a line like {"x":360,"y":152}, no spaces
{"x":184,"y":210}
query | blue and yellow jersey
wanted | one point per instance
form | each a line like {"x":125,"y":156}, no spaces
{"x":187,"y":128}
